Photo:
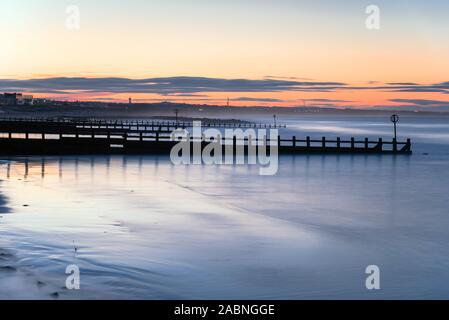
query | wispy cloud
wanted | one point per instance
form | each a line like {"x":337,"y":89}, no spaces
{"x":422,"y":102}
{"x":415,"y":105}
{"x":202,"y":88}
{"x":164,"y":86}
{"x":288,"y":78}
{"x":249,"y":99}
{"x":442,"y":87}
{"x":328,"y":100}
{"x":403,"y":84}
{"x":195,"y":85}
{"x":186,"y":95}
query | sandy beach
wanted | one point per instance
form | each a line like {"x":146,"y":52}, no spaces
{"x":18,"y":282}
{"x":142,"y":228}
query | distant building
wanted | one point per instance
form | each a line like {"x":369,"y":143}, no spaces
{"x":25,"y":100}
{"x":16,"y":99}
{"x":8,"y":99}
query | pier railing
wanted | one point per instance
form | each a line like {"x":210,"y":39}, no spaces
{"x":136,"y":124}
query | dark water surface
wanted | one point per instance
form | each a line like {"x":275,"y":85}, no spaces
{"x":140,"y":227}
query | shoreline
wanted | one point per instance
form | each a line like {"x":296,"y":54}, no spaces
{"x":16,"y":281}
{"x":156,"y":232}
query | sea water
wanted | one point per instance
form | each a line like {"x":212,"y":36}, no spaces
{"x":139,"y":227}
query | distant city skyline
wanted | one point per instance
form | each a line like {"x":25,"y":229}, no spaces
{"x":283,"y":53}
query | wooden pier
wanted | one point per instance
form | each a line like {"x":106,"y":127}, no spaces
{"x":61,"y":137}
{"x":152,"y":125}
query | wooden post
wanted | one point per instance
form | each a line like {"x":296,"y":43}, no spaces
{"x":308,"y":141}
{"x":338,"y":143}
{"x":352,"y":143}
{"x":366,"y":143}
{"x":294,"y":141}
{"x":220,"y":143}
{"x":323,"y":142}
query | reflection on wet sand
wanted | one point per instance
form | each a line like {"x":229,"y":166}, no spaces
{"x":111,"y":205}
{"x":17,"y":281}
{"x":17,"y":168}
{"x":144,"y":228}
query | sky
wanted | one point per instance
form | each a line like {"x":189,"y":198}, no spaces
{"x":256,"y":52}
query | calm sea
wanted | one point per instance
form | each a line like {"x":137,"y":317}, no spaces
{"x":140,"y":227}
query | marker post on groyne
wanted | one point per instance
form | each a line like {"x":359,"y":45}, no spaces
{"x":395,"y":120}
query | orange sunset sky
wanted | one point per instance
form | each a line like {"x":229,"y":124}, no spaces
{"x":283,"y":53}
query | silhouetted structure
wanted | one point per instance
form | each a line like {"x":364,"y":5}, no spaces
{"x":46,"y":137}
{"x":395,"y":120}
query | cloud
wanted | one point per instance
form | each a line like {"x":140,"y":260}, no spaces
{"x":258,"y":99}
{"x":288,"y":78}
{"x":403,"y":84}
{"x":173,"y":100}
{"x":442,"y":87}
{"x":164,"y":86}
{"x":422,"y":102}
{"x":327,"y":100}
{"x":421,"y":89}
{"x":416,"y":105}
{"x":186,"y":95}
{"x":197,"y":87}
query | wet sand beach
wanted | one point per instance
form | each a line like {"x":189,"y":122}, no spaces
{"x":140,"y":227}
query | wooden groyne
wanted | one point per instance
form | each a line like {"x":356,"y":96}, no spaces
{"x":34,"y":137}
